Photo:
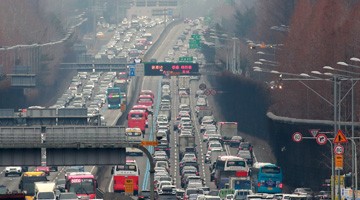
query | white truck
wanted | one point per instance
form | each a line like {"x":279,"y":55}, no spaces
{"x":45,"y":190}
{"x":185,"y":141}
{"x":227,"y":129}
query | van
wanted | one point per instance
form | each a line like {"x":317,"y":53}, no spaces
{"x":241,"y":194}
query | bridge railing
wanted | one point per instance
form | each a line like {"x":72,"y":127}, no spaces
{"x":65,"y":137}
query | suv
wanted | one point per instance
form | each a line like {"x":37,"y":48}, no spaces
{"x":13,"y":170}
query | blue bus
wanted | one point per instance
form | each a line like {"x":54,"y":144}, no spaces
{"x":113,"y":98}
{"x":269,"y":178}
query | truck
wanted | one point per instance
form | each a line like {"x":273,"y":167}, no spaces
{"x":227,"y":129}
{"x":184,"y":142}
{"x":184,"y":83}
{"x":45,"y":190}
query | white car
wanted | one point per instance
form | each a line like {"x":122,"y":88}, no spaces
{"x":13,"y":170}
{"x":215,"y":145}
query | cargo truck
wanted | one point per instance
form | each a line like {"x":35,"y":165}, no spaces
{"x":227,"y":130}
{"x":184,"y":142}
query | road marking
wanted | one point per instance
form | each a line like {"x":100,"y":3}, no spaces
{"x":151,"y":136}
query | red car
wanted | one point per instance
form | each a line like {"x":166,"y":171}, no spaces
{"x":43,"y":169}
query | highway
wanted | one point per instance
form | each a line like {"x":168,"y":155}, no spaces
{"x":111,"y":116}
{"x":150,"y":83}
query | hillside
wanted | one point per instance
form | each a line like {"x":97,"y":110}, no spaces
{"x":31,"y":22}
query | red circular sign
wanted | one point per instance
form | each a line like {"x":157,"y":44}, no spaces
{"x":297,"y":137}
{"x":213,"y":92}
{"x":207,"y":92}
{"x":321,"y":139}
{"x":339,"y":150}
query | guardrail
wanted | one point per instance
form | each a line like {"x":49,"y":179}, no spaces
{"x":99,"y":193}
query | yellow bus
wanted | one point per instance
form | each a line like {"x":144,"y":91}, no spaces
{"x":27,"y":183}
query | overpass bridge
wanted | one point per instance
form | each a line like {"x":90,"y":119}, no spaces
{"x":68,"y":146}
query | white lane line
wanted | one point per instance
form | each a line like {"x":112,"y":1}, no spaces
{"x":111,"y":183}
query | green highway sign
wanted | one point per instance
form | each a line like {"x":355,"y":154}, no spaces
{"x":194,"y":46}
{"x":185,"y":59}
{"x":196,"y":36}
{"x":193,"y":41}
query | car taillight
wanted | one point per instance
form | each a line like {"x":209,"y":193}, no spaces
{"x":280,"y":185}
{"x":157,"y":149}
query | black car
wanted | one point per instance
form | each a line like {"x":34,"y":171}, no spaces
{"x":144,"y":194}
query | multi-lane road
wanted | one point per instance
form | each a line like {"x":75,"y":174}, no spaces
{"x":112,"y":116}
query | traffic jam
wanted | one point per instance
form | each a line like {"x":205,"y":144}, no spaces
{"x":196,"y":156}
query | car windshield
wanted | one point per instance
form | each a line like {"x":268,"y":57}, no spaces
{"x":46,"y":195}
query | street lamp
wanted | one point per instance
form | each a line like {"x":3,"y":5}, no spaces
{"x":355,"y":59}
{"x":353,"y":146}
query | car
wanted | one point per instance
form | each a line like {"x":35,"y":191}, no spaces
{"x":188,"y":157}
{"x":164,"y":164}
{"x":308,"y":191}
{"x":190,"y":191}
{"x":43,"y":169}
{"x":246,"y":154}
{"x":144,"y":194}
{"x":68,"y":196}
{"x":208,"y":127}
{"x":209,"y":133}
{"x":179,"y":194}
{"x":60,"y":184}
{"x":13,"y":170}
{"x":235,"y":141}
{"x":241,"y":194}
{"x":3,"y":189}
{"x":208,"y":157}
{"x":195,"y":78}
{"x":323,"y":195}
{"x":245,"y":146}
{"x":215,"y":145}
{"x":208,"y":197}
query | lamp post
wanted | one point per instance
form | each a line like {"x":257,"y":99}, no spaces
{"x":353,"y":145}
{"x":335,"y":80}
